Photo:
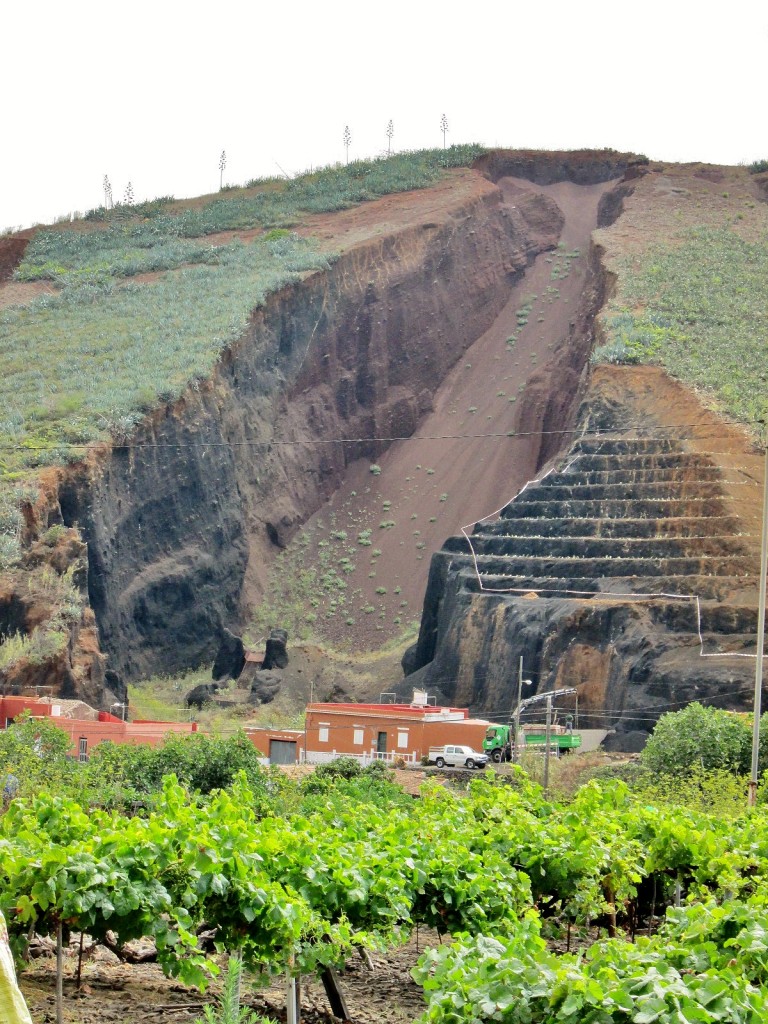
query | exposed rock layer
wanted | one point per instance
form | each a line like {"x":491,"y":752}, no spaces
{"x":182,"y":520}
{"x":620,"y":573}
{"x":176,"y":521}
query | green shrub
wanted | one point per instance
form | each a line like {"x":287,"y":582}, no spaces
{"x":36,"y":752}
{"x":200,"y":762}
{"x":340,"y":768}
{"x":716,"y":791}
{"x":617,"y":352}
{"x":53,"y":535}
{"x":698,"y":737}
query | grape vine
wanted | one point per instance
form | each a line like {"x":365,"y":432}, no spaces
{"x":680,"y":898}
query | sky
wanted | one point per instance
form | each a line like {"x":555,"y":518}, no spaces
{"x":151,"y":93}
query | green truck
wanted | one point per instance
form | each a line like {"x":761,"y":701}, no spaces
{"x":497,"y":739}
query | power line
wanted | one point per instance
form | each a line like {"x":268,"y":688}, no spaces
{"x":604,"y":435}
{"x":629,"y":714}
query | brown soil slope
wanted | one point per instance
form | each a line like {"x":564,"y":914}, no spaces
{"x":461,"y":464}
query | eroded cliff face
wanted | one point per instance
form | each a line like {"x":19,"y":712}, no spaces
{"x":182,"y":521}
{"x":627,"y":570}
{"x":44,"y":601}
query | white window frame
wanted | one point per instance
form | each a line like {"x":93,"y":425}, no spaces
{"x":358,"y":736}
{"x":402,"y":739}
{"x":323,"y":732}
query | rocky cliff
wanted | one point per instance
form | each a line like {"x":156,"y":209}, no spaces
{"x":182,"y":518}
{"x":626,"y":569}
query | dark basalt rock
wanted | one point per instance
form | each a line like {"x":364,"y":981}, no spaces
{"x":338,"y":695}
{"x":276,"y":653}
{"x":265,"y":687}
{"x":631,"y":742}
{"x":200,"y":694}
{"x":409,"y":662}
{"x":230,"y":657}
{"x":116,"y":685}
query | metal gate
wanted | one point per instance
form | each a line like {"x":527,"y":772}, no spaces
{"x":282,"y":752}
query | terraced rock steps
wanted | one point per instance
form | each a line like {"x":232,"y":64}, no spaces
{"x":624,"y":517}
{"x":614,"y":573}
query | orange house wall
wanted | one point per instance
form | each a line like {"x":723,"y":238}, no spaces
{"x":260,"y":737}
{"x":152,"y":734}
{"x":421,"y":735}
{"x":108,"y":727}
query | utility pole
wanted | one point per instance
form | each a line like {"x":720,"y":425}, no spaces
{"x":752,"y":794}
{"x":517,"y":710}
{"x":307,"y":713}
{"x":547,"y":740}
{"x":548,"y":698}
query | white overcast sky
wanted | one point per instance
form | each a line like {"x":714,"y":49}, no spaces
{"x":151,"y":92}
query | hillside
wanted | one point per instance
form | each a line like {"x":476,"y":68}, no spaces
{"x":629,"y":567}
{"x":221,"y":399}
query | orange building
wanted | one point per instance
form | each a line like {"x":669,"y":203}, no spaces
{"x":88,"y":727}
{"x":384,"y":732}
{"x":278,"y":746}
{"x":388,"y":732}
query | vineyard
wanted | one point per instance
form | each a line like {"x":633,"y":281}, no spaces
{"x":605,"y":909}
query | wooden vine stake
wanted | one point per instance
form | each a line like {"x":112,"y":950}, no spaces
{"x":59,"y":973}
{"x":332,"y":988}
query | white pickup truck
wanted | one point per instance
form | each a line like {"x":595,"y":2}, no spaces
{"x":457,"y":756}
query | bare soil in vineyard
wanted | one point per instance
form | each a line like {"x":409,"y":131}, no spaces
{"x":116,"y":993}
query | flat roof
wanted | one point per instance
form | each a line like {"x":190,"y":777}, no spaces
{"x":419,"y":712}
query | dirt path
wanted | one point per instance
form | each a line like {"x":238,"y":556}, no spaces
{"x":428,"y":488}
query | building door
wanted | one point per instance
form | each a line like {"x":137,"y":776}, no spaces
{"x":82,"y":749}
{"x":381,"y":743}
{"x":282,"y":752}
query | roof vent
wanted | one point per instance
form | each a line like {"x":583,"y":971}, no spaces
{"x":421,"y":699}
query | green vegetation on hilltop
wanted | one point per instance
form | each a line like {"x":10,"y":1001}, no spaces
{"x":87,"y":363}
{"x":90,"y":362}
{"x":699,"y":309}
{"x":154,"y":237}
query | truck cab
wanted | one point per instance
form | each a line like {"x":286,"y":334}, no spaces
{"x":496,"y":743}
